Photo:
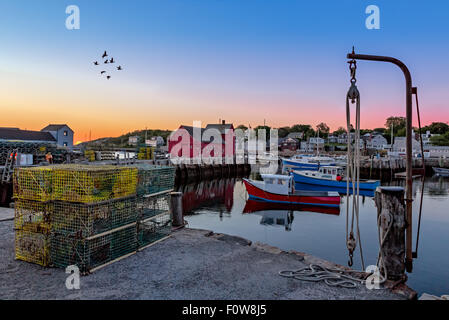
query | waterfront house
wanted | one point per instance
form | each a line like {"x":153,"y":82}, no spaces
{"x":376,"y":142}
{"x":62,"y":133}
{"x":156,"y":141}
{"x":26,"y":141}
{"x":399,"y":146}
{"x":436,"y":151}
{"x":288,"y":144}
{"x":133,"y":140}
{"x":185,"y":138}
{"x":18,"y":135}
{"x":313,"y":144}
{"x":332,"y":139}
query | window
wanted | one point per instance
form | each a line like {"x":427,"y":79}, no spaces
{"x":66,"y":133}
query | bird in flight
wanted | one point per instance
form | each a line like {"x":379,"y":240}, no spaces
{"x":119,"y":68}
{"x":107,"y":61}
{"x":96,"y":63}
{"x":108,"y":77}
{"x":102,"y":72}
{"x":112,"y":60}
{"x":104,"y":54}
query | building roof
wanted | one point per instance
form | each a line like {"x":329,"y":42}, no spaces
{"x":55,"y":127}
{"x":220,"y":127}
{"x":189,"y":129}
{"x":26,"y":135}
{"x":296,"y":135}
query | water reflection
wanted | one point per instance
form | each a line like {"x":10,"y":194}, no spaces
{"x":211,"y":192}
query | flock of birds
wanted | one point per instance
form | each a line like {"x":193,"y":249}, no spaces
{"x":107,"y":61}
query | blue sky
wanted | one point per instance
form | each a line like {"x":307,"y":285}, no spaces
{"x":245,"y":61}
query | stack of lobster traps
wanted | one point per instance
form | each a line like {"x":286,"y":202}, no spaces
{"x":86,"y":215}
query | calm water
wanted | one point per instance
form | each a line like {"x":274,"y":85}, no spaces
{"x":221,"y":206}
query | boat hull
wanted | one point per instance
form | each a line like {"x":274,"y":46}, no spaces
{"x":340,"y":190}
{"x":319,"y":199}
{"x":296,"y":165}
{"x":369,"y":185}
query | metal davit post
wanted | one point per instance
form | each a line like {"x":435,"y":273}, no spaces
{"x":409,"y":181}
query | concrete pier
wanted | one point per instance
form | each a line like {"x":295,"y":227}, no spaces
{"x":191,"y":264}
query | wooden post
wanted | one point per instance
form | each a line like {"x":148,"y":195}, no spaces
{"x":391,"y":205}
{"x":176,"y":209}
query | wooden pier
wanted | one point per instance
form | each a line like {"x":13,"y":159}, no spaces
{"x":192,"y":172}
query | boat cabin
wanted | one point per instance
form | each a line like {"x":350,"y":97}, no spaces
{"x":276,"y":183}
{"x":326,"y":173}
{"x":331,"y":170}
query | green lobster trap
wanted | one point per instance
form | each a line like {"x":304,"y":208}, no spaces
{"x":33,"y":247}
{"x":89,"y":253}
{"x":91,"y":219}
{"x":153,"y":179}
{"x":153,"y":229}
{"x":150,"y":206}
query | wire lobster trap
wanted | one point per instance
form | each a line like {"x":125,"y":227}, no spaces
{"x":153,"y":229}
{"x":91,"y":219}
{"x":92,"y":252}
{"x":153,"y":205}
{"x":33,"y":183}
{"x":33,"y":247}
{"x":90,"y":184}
{"x":153,"y":179}
{"x":33,"y":216}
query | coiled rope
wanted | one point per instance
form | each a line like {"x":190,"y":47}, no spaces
{"x":316,"y":273}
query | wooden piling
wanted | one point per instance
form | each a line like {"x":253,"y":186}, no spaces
{"x":391,"y":216}
{"x":176,"y":209}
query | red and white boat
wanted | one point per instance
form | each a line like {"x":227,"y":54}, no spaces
{"x":280,"y":189}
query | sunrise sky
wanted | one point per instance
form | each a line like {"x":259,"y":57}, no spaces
{"x":243,"y":61}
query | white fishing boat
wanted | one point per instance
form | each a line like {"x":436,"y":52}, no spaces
{"x":267,"y":157}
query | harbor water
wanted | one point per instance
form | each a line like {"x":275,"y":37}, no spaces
{"x":222,"y":206}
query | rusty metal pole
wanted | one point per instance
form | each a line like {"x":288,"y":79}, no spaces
{"x":409,"y":181}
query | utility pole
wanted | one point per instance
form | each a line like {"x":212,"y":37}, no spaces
{"x":392,"y":134}
{"x":409,"y":181}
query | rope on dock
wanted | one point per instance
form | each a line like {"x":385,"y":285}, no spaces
{"x":317,"y":273}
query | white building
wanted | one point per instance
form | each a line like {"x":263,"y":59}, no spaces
{"x":399,"y":146}
{"x":133,"y":140}
{"x":62,"y":133}
{"x":437,"y":151}
{"x":377,"y":142}
{"x":313,"y":144}
{"x":155,"y":141}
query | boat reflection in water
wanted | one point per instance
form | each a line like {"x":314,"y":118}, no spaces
{"x":281,"y":214}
